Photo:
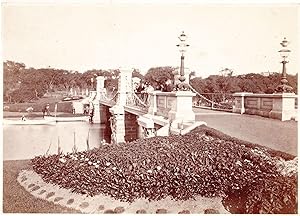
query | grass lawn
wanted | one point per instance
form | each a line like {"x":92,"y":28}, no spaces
{"x":34,"y":115}
{"x":38,"y":105}
{"x":17,"y":200}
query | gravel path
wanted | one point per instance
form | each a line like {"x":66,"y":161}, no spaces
{"x":25,"y":192}
{"x":272,"y":133}
{"x":34,"y":184}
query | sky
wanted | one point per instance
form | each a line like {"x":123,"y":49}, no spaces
{"x":76,"y":36}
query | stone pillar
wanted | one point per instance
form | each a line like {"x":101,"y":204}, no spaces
{"x":283,"y":106}
{"x":100,"y":87}
{"x":100,"y":82}
{"x":104,"y":114}
{"x":96,"y":119}
{"x":117,"y":121}
{"x":153,"y":103}
{"x":140,"y":132}
{"x":92,"y":95}
{"x":239,"y":102}
{"x":124,"y":85}
{"x":117,"y":124}
{"x":182,"y":109}
{"x":95,"y":103}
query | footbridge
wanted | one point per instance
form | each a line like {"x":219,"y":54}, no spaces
{"x":132,"y":115}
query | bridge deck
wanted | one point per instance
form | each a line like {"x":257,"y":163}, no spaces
{"x":264,"y":131}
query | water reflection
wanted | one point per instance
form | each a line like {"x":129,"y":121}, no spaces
{"x":27,"y":141}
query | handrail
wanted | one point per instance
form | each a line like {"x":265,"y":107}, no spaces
{"x":139,"y":100}
{"x":210,"y":101}
{"x":109,"y":99}
{"x":135,"y":100}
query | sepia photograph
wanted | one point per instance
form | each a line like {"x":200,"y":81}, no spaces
{"x":149,"y":107}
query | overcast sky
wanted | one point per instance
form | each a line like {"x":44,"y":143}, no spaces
{"x":94,"y":36}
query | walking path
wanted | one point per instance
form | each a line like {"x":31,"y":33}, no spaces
{"x":34,"y":184}
{"x":271,"y":133}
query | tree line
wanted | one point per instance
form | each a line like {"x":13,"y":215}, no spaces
{"x":21,"y":84}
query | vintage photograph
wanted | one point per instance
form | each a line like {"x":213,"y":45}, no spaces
{"x":150,"y":108}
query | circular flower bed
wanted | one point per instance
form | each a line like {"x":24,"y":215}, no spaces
{"x":203,"y":162}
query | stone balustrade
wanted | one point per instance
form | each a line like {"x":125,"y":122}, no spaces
{"x":278,"y":106}
{"x":172,"y":105}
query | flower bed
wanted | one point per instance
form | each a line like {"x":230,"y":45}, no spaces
{"x":203,"y":162}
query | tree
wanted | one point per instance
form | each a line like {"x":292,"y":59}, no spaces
{"x":223,"y":80}
{"x":12,"y":77}
{"x":159,"y":76}
{"x":136,"y":73}
{"x":36,"y":82}
{"x":198,"y":84}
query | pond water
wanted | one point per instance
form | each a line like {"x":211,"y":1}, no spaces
{"x":26,"y":141}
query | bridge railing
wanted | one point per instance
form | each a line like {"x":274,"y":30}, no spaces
{"x":110,"y":97}
{"x":140,"y":100}
{"x":215,"y":101}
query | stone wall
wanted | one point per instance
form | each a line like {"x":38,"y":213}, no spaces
{"x":104,"y":114}
{"x":131,"y":127}
{"x":164,"y":102}
{"x":277,"y":106}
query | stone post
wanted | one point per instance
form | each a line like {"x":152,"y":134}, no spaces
{"x":97,"y":113}
{"x":239,"y":102}
{"x":182,"y":109}
{"x":153,"y":103}
{"x":117,"y":124}
{"x":283,"y":106}
{"x":95,"y":98}
{"x":100,"y":87}
{"x":124,"y":85}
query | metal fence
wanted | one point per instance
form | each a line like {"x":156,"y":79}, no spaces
{"x":110,"y":97}
{"x":140,"y":100}
{"x":214,"y":101}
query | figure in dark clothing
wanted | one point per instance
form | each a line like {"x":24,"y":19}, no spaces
{"x":86,"y":110}
{"x":46,"y":110}
{"x":23,"y":118}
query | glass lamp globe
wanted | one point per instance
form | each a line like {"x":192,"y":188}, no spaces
{"x":284,"y":53}
{"x":182,"y":37}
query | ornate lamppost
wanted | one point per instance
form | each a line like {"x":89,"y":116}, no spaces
{"x":182,"y":49}
{"x":284,"y":52}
